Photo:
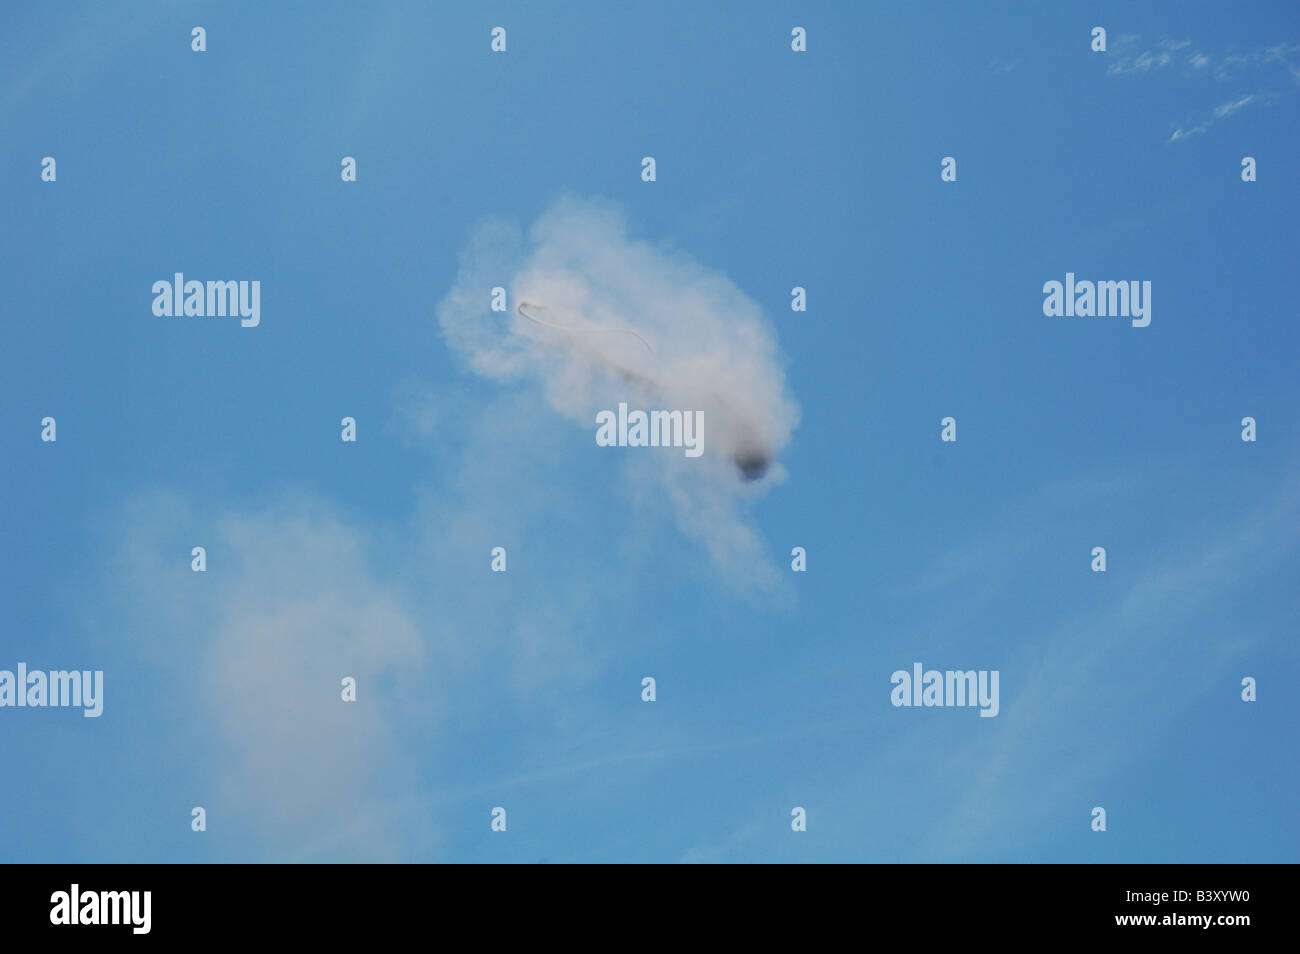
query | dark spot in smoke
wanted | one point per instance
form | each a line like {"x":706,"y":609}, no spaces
{"x":752,"y":464}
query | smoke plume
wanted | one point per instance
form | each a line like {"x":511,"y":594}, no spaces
{"x":596,"y":318}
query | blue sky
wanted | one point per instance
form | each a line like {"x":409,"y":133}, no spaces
{"x":522,"y":690}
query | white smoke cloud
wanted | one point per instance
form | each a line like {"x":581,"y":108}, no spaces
{"x":289,"y":605}
{"x":610,"y":319}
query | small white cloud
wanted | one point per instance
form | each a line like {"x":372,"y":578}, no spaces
{"x":1227,"y":109}
{"x":1142,"y":63}
{"x":1180,"y":133}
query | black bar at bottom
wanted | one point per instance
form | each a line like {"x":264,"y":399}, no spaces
{"x":330,"y":903}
